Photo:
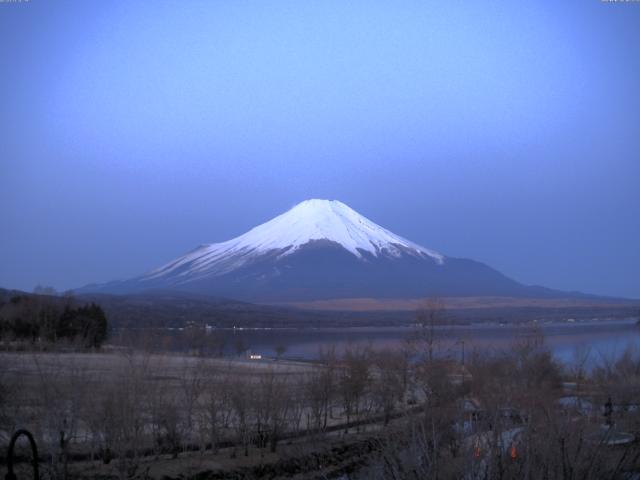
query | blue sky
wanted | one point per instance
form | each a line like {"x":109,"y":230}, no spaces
{"x":506,"y":132}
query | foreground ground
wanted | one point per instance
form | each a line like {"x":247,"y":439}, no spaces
{"x":368,"y":414}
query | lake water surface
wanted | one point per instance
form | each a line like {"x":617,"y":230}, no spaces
{"x":597,"y":340}
{"x":588,"y":342}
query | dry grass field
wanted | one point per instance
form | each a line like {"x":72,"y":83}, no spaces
{"x":134,"y":414}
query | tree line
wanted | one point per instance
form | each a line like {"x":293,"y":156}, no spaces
{"x":48,"y":319}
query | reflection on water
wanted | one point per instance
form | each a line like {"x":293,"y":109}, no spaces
{"x":596,"y":341}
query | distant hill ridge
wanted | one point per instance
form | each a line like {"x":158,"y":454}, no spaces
{"x":179,"y":309}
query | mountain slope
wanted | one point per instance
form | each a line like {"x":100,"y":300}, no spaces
{"x":286,"y":234}
{"x":323,"y":249}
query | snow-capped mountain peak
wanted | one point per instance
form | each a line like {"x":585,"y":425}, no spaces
{"x":319,"y":250}
{"x":326,"y":220}
{"x":308,"y":221}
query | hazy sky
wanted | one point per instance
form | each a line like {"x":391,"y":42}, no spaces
{"x":507,"y":132}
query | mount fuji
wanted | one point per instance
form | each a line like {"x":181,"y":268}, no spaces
{"x":318,"y":250}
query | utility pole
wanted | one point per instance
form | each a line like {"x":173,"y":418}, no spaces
{"x":608,"y":412}
{"x":463,"y":367}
